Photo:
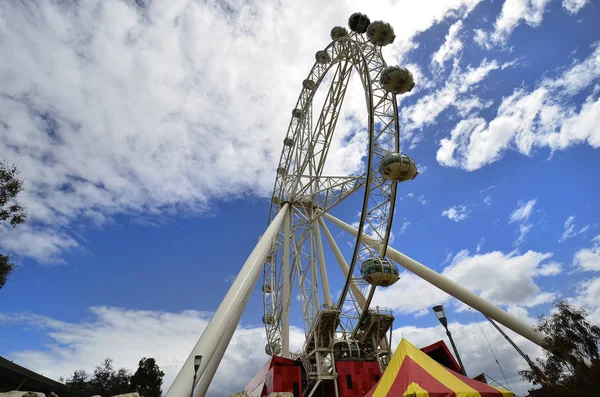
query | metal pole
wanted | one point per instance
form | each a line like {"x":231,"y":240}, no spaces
{"x":450,"y":287}
{"x":211,"y":369}
{"x":525,"y":356}
{"x":462,"y":367}
{"x":322,"y":266}
{"x":342,"y":263}
{"x":231,"y":304}
{"x":285,"y":321}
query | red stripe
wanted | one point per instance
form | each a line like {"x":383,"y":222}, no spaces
{"x":411,"y":372}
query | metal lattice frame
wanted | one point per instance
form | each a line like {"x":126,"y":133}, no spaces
{"x":300,"y":182}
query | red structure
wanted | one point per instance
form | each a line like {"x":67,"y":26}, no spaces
{"x":440,"y":353}
{"x":278,"y":375}
{"x":356,"y":378}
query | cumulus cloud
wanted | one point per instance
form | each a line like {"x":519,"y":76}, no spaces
{"x":113,"y":108}
{"x":513,"y":13}
{"x":456,"y":92}
{"x":525,"y":120}
{"x":451,"y":46}
{"x":573,"y":6}
{"x":513,"y":274}
{"x":589,"y":258}
{"x":128,"y":335}
{"x":457,"y":213}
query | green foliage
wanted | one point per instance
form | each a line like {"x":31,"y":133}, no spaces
{"x":6,"y":267}
{"x":148,"y":378}
{"x":108,"y":382}
{"x":79,"y":384}
{"x":571,"y":365}
{"x":10,"y":187}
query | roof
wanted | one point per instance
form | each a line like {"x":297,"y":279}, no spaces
{"x":12,"y":376}
{"x":411,"y":372}
{"x":440,"y":353}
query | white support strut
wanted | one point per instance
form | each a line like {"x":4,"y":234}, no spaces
{"x":232,"y":304}
{"x":342,"y":263}
{"x":450,"y":287}
{"x":208,"y":375}
{"x":322,"y":266}
{"x":285,"y":320}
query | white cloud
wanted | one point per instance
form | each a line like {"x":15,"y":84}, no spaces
{"x":457,"y":213}
{"x":133,"y":110}
{"x":451,"y":46}
{"x":528,"y":120}
{"x":550,"y":269}
{"x":455,"y":92}
{"x":589,"y":258}
{"x":588,"y":296}
{"x":523,"y":211}
{"x":404,"y":227}
{"x":570,"y":229}
{"x":513,"y":13}
{"x":573,"y":6}
{"x":513,"y":276}
{"x":488,"y":199}
{"x":128,"y":335}
{"x":43,"y":244}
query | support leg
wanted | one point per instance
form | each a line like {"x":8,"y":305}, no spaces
{"x":450,"y":287}
{"x":285,"y":319}
{"x":322,"y":267}
{"x":231,"y":304}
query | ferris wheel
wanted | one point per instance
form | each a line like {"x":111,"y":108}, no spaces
{"x":344,"y":328}
{"x":347,"y":328}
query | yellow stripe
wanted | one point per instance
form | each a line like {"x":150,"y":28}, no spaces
{"x":415,"y":390}
{"x":386,"y":381}
{"x":505,"y":393}
{"x":432,"y":367}
{"x":440,"y":373}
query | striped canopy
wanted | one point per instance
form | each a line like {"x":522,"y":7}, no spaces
{"x":413,"y":373}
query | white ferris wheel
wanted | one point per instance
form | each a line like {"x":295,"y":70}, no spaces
{"x":345,"y":328}
{"x":291,"y":251}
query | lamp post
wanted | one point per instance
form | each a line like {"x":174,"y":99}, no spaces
{"x":440,"y":313}
{"x":197,"y":361}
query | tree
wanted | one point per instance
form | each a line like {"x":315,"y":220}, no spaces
{"x":571,"y":364}
{"x":108,"y":382}
{"x":10,"y":187}
{"x":79,"y":384}
{"x":148,"y":378}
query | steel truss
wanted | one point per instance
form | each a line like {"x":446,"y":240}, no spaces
{"x":301,"y":183}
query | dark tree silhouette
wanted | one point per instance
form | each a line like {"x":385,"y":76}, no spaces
{"x":108,"y":382}
{"x":571,"y":365}
{"x":79,"y":384}
{"x":148,"y":378}
{"x":10,"y":211}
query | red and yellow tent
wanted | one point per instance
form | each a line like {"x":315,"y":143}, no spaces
{"x":412,"y":373}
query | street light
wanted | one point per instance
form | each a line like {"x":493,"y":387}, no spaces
{"x":440,"y":313}
{"x":197,"y":361}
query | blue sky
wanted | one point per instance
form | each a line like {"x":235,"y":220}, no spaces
{"x":148,"y":138}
